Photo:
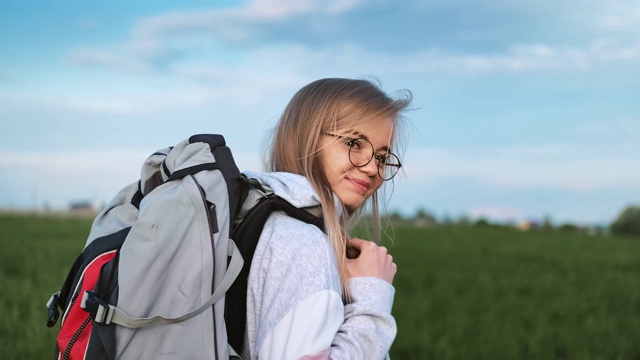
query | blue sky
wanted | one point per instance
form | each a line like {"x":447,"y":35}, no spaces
{"x":522,"y":108}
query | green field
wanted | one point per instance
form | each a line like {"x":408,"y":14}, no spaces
{"x":462,"y":293}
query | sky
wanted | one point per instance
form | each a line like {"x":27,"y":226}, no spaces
{"x":521,"y":109}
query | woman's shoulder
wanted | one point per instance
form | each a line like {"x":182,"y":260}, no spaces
{"x":282,"y":230}
{"x":298,"y":252}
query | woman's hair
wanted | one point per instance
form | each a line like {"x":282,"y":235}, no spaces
{"x":325,"y":106}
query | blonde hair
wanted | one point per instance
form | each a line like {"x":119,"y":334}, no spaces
{"x":324,"y":106}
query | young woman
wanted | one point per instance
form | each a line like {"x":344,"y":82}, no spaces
{"x":333,"y":147}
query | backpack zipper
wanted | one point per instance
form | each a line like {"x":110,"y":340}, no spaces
{"x":67,"y":352}
{"x":73,"y":300}
{"x":68,"y":310}
{"x":203,"y":195}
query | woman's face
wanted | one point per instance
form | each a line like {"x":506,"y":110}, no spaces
{"x":352,"y":184}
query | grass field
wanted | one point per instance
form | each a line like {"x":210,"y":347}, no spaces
{"x":462,"y":293}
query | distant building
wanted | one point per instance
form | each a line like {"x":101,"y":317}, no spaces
{"x":529,"y":225}
{"x":82,"y":207}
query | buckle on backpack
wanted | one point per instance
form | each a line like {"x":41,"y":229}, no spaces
{"x":100,"y":311}
{"x":52,"y":306}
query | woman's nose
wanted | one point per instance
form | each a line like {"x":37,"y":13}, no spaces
{"x":371,"y":169}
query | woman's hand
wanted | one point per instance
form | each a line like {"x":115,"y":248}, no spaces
{"x":372,"y":261}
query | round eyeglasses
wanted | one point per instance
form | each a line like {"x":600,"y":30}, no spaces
{"x":361,"y":152}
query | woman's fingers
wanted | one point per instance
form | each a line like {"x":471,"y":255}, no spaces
{"x":359,"y":243}
{"x":373,"y":260}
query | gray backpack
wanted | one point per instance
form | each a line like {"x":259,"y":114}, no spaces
{"x":160,"y":276}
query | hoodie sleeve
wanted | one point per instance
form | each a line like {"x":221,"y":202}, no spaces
{"x":295,"y":308}
{"x":369,"y":328}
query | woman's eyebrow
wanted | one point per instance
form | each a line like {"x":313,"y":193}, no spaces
{"x":356,"y":133}
{"x":359,"y":134}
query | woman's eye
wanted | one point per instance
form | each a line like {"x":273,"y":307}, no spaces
{"x":381,"y":160}
{"x":353,"y":143}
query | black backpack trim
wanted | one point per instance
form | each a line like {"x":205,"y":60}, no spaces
{"x":99,"y":246}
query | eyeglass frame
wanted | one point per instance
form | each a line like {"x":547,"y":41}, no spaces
{"x":375,"y":155}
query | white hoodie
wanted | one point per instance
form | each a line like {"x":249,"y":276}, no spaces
{"x":294,"y":296}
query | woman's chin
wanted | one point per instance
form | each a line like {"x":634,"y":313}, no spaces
{"x":353,"y":204}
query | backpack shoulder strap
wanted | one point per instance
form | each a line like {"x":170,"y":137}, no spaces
{"x":246,"y":236}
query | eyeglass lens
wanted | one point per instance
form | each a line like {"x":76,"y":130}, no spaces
{"x":361,"y":152}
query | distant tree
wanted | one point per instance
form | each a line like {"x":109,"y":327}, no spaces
{"x":396,"y":216}
{"x":510,"y":224}
{"x":422,"y":213}
{"x":568,"y":227}
{"x":628,"y":222}
{"x":463,"y":220}
{"x":446,"y":219}
{"x":393,"y":218}
{"x":423,"y":218}
{"x":482,"y":222}
{"x":547,"y":224}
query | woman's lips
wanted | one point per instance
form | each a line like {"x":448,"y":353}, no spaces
{"x":361,"y":185}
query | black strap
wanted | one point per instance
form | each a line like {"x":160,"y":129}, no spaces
{"x":246,"y":236}
{"x":179,"y":174}
{"x":224,"y":162}
{"x":138,"y":196}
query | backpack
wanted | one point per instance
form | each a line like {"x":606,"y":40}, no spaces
{"x":163,"y":274}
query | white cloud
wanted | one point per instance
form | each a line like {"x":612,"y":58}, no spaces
{"x":236,"y":25}
{"x":580,"y":168}
{"x":279,"y":9}
{"x":621,"y":19}
{"x":85,"y":174}
{"x":75,"y":163}
{"x":350,"y":59}
{"x":259,"y":75}
{"x":523,"y":58}
{"x":620,"y":128}
{"x":94,"y":175}
{"x":607,"y":50}
{"x":168,"y":39}
{"x":264,"y":64}
{"x":101,"y":106}
{"x":110,"y":60}
{"x":127,"y":101}
{"x":189,"y":87}
{"x":261,"y":71}
{"x":517,"y":59}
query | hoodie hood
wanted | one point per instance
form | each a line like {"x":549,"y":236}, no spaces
{"x":294,"y":188}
